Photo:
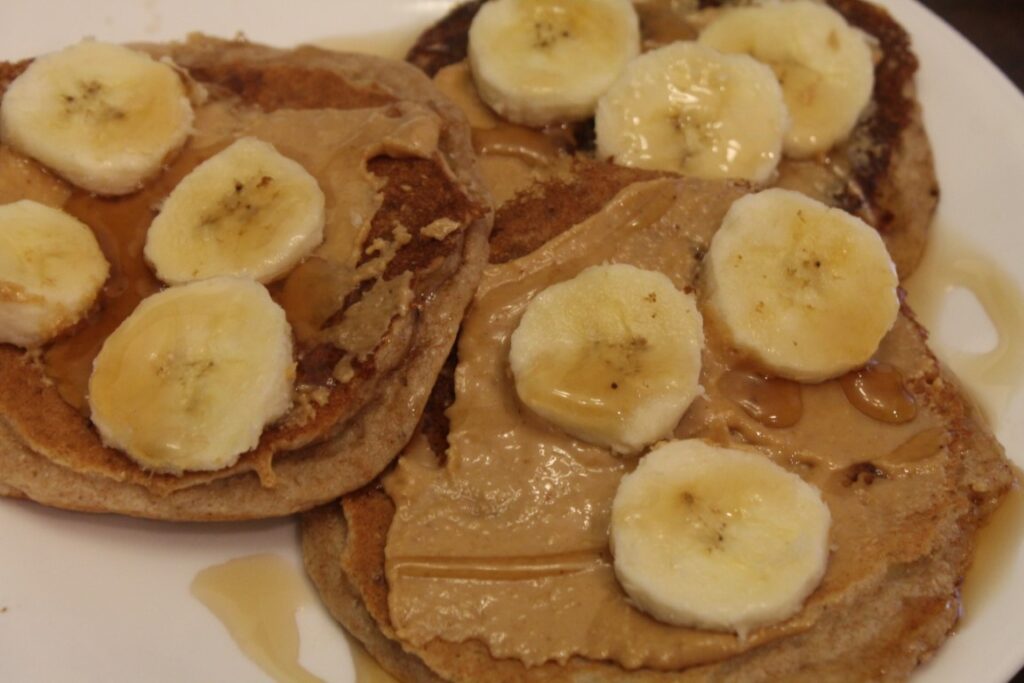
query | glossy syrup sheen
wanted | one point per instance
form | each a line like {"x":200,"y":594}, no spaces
{"x":525,"y":143}
{"x":120,"y":226}
{"x":994,"y":376}
{"x":257,"y":598}
{"x":878,"y":391}
{"x":771,"y":401}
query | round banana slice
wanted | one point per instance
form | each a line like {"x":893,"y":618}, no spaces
{"x":824,"y":65}
{"x":51,"y":270}
{"x":806,"y":290}
{"x":248,"y":211}
{"x":191,"y":377}
{"x":687,"y":108}
{"x":717,"y":538}
{"x":102,"y":116}
{"x":612,"y":356}
{"x":541,"y":61}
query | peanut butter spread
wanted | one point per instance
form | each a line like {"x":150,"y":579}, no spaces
{"x":505,"y":539}
{"x":336,"y":146}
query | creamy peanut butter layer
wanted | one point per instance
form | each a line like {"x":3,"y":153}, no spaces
{"x":505,"y":541}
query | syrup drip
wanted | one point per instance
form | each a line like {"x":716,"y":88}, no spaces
{"x":256,"y":598}
{"x":524,"y":143}
{"x":771,"y":401}
{"x":917,"y":448}
{"x":120,"y":226}
{"x":993,"y":376}
{"x":877,"y":390}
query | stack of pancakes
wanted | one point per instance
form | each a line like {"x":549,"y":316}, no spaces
{"x":347,"y":433}
{"x":904,"y":519}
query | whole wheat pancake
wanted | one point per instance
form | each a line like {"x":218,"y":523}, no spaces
{"x":405,"y":205}
{"x":905,"y":498}
{"x":883,"y":173}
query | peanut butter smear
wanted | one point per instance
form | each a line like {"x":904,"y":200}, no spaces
{"x":333,"y":145}
{"x":506,"y":541}
{"x":338,"y":147}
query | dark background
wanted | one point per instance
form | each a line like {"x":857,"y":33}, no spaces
{"x":997,"y":28}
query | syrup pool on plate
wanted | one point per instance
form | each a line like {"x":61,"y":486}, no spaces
{"x":257,"y":598}
{"x":992,"y":376}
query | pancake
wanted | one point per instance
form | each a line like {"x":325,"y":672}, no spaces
{"x":906,"y":498}
{"x":380,"y":140}
{"x":883,"y":173}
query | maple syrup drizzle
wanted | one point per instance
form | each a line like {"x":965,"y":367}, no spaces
{"x":772,"y":401}
{"x":532,"y":146}
{"x":120,"y":226}
{"x":257,"y":598}
{"x":994,"y":376}
{"x":921,"y":446}
{"x":878,"y":391}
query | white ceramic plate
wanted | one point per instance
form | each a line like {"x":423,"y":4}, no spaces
{"x":87,"y":598}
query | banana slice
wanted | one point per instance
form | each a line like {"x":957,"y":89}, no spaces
{"x":246,"y":211}
{"x":51,"y":270}
{"x":717,"y":538}
{"x":686,"y":108}
{"x":541,"y":61}
{"x":102,"y":116}
{"x":191,"y":377}
{"x":612,"y":356}
{"x":824,"y":65}
{"x":806,"y":290}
